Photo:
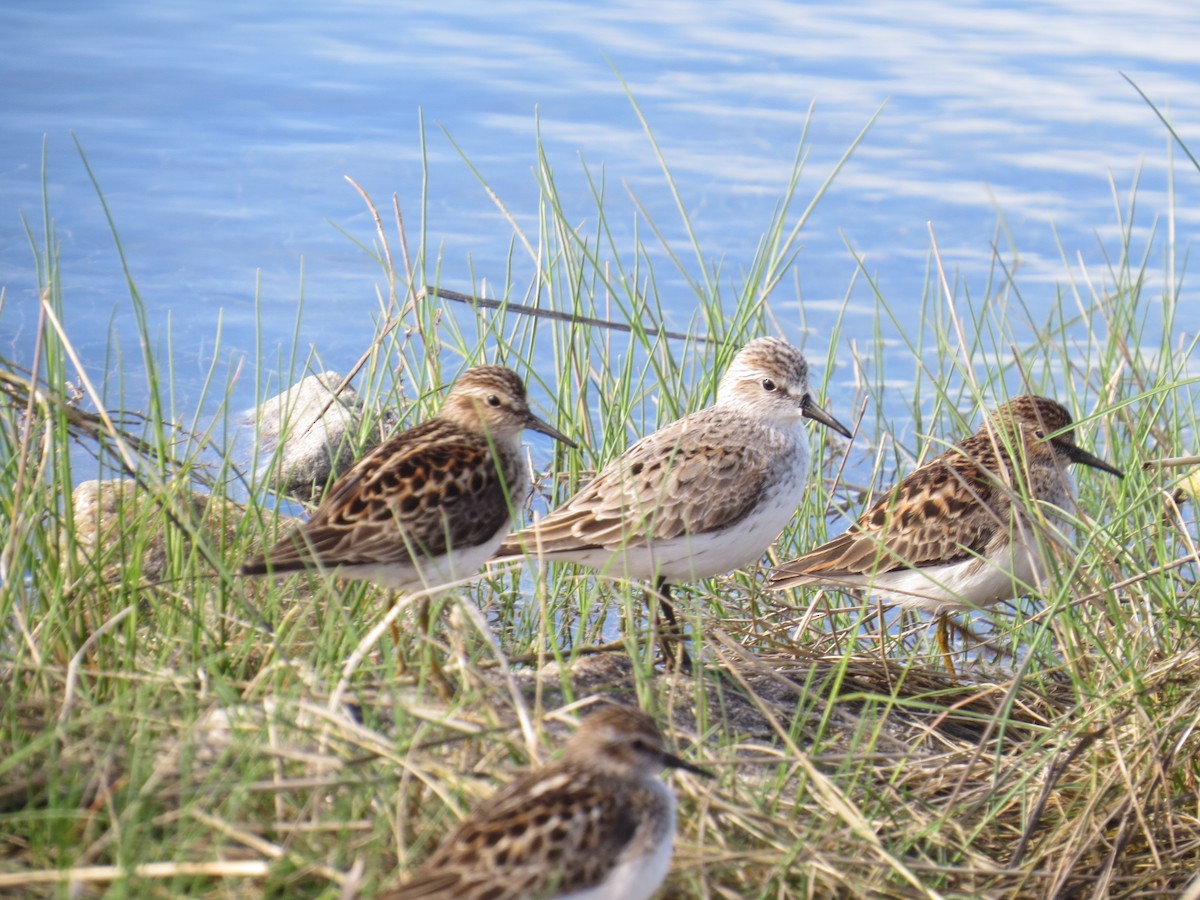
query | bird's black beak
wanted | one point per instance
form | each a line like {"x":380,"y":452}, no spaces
{"x":810,"y":410}
{"x":1081,"y":456}
{"x":535,"y":424}
{"x":671,"y":761}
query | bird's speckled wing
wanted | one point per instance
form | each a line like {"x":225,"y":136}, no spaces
{"x":685,"y":479}
{"x":382,"y":510}
{"x":943,"y":512}
{"x":509,"y":847}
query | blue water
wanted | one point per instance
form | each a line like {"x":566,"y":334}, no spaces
{"x":221,"y":134}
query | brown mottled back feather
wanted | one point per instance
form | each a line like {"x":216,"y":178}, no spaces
{"x":434,"y":489}
{"x":565,"y":827}
{"x":501,"y":843}
{"x":650,"y":491}
{"x":944,"y":511}
{"x":458,"y":500}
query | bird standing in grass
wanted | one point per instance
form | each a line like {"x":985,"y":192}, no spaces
{"x":701,"y":496}
{"x":428,"y":506}
{"x":955,"y":534}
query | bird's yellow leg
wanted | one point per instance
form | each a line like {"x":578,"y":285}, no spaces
{"x":943,"y":639}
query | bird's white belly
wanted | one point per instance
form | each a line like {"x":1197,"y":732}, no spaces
{"x":429,"y":572}
{"x":976,"y":582}
{"x":691,"y":557}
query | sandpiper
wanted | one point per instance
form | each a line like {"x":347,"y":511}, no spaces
{"x":597,"y":824}
{"x":955,"y":534}
{"x":701,"y":496}
{"x":427,"y":506}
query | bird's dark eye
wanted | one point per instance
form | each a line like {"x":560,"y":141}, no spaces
{"x":1039,"y":434}
{"x":638,"y":744}
{"x":493,"y":401}
{"x":768,"y":384}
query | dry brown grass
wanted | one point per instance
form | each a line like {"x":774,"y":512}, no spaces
{"x":839,"y":775}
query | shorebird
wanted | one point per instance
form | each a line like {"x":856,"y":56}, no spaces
{"x":598,"y":824}
{"x":701,"y":496}
{"x":955,"y":534}
{"x":428,"y":506}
